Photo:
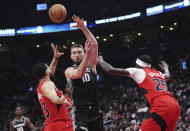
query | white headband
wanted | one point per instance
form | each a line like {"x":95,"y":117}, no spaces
{"x":142,"y":63}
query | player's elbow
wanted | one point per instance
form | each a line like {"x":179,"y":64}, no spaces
{"x":110,"y":71}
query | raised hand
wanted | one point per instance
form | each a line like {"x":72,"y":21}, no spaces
{"x":65,"y":101}
{"x":57,"y":54}
{"x":88,"y":46}
{"x":99,"y":59}
{"x":164,"y":65}
{"x":79,"y":21}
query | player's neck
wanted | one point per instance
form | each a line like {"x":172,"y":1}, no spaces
{"x":76,"y":63}
{"x":18,"y":117}
{"x":46,"y":78}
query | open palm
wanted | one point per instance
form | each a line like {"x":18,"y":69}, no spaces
{"x":57,"y":54}
{"x":79,"y":21}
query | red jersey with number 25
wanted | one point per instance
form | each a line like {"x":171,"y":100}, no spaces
{"x":52,"y":112}
{"x":155,"y":84}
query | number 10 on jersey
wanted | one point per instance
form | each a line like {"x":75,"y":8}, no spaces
{"x":86,"y":78}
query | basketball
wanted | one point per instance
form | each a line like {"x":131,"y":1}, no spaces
{"x":57,"y":13}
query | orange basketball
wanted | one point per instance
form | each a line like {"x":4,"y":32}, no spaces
{"x":57,"y":13}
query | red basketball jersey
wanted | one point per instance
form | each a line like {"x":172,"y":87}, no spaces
{"x":154,"y":84}
{"x":52,"y":112}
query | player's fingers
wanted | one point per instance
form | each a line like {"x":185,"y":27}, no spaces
{"x":53,"y":46}
{"x":163,"y":61}
{"x":100,"y":57}
{"x":78,"y":17}
{"x":74,"y":18}
{"x":90,"y":45}
{"x":87,"y":41}
{"x":65,"y":101}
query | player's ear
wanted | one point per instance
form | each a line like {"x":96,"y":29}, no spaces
{"x":71,"y":57}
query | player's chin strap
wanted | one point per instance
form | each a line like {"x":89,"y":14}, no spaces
{"x":142,"y":63}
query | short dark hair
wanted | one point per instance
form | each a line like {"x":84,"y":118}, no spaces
{"x":146,"y":58}
{"x":18,"y":107}
{"x":76,"y":46}
{"x":39,"y":70}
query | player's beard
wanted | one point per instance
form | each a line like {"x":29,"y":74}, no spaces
{"x":19,"y":115}
{"x":77,"y":62}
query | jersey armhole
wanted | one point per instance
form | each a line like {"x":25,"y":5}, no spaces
{"x":95,"y":72}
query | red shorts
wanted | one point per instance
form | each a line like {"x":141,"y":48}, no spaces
{"x":164,"y":115}
{"x":59,"y":126}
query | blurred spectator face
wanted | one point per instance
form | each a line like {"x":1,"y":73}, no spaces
{"x":77,"y":54}
{"x":120,"y":107}
{"x":125,"y":108}
{"x":115,"y":104}
{"x":18,"y":111}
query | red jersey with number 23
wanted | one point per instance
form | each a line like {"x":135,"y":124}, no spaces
{"x":52,"y":112}
{"x":154,"y":84}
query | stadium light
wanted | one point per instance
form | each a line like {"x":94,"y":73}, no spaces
{"x":104,"y":39}
{"x":175,"y":23}
{"x":65,"y":47}
{"x":111,"y":35}
{"x":171,"y":28}
{"x":97,"y":37}
{"x":161,"y":26}
{"x":139,"y":34}
{"x":73,"y":43}
{"x":37,"y":46}
{"x":1,"y":45}
{"x":42,"y":6}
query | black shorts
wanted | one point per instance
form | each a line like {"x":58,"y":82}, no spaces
{"x":87,"y":118}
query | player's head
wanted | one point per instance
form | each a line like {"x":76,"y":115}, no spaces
{"x":144,"y":61}
{"x":77,"y":53}
{"x":18,"y":111}
{"x":40,"y":70}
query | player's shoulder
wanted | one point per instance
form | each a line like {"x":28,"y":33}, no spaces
{"x":135,"y":69}
{"x":26,"y":118}
{"x":69,"y":68}
{"x":47,"y":84}
{"x":69,"y":71}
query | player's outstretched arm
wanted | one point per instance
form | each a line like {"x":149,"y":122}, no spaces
{"x":29,"y":123}
{"x":111,"y":70}
{"x":48,"y":90}
{"x":54,"y":61}
{"x":90,"y":37}
{"x":72,"y":73}
{"x":164,"y":66}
